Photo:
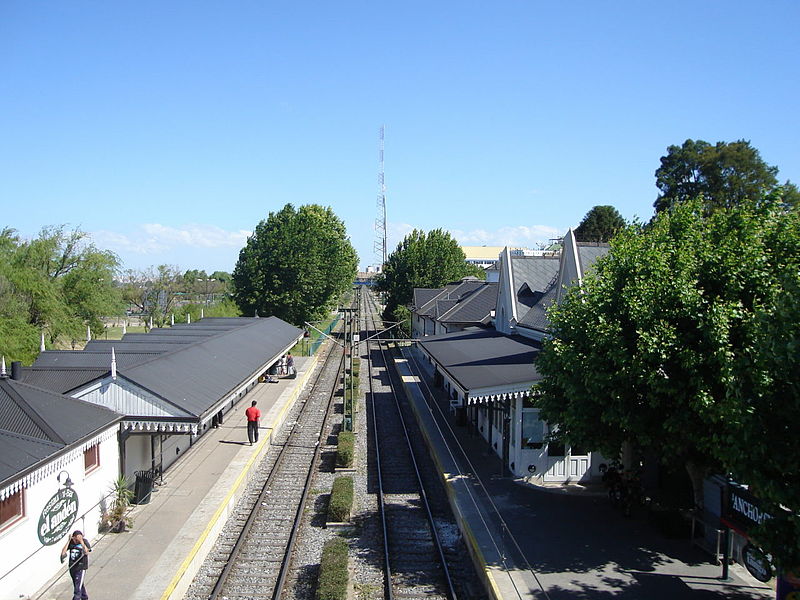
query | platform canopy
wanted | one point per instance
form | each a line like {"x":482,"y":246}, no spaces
{"x":487,"y":365}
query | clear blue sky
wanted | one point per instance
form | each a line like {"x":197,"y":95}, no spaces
{"x":168,"y":130}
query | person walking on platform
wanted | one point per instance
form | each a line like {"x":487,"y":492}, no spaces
{"x":253,"y":417}
{"x":76,"y":550}
{"x":289,"y":364}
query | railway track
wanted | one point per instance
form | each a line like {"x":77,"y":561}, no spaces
{"x":252,"y":559}
{"x":424,"y":556}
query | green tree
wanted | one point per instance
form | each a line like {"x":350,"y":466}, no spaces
{"x":57,"y":283}
{"x":600,"y":224}
{"x":154,"y":292}
{"x":295,"y":266}
{"x":683,"y":343}
{"x":724,"y":174}
{"x":422,"y":260}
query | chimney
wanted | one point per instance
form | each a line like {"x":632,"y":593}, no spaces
{"x":3,"y":374}
{"x":113,"y":364}
{"x":16,"y":370}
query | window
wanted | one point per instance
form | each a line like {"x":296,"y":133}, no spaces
{"x":532,"y":430}
{"x":12,"y":509}
{"x":91,"y":458}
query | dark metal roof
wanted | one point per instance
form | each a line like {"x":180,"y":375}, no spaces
{"x":97,"y":360}
{"x":36,"y":423}
{"x":588,"y":253}
{"x":474,"y":308}
{"x":139,"y":347}
{"x":61,"y":379}
{"x":198,"y":375}
{"x":484,"y":359}
{"x":535,"y":272}
{"x":19,"y":453}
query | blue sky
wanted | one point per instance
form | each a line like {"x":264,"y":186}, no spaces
{"x":168,"y":130}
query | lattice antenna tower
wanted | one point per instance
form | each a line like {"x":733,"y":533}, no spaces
{"x":380,"y":221}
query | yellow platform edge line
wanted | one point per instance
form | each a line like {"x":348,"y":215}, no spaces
{"x":221,"y":508}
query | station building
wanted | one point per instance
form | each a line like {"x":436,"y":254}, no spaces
{"x":169,"y":384}
{"x":75,"y":421}
{"x":59,"y":457}
{"x":489,"y":372}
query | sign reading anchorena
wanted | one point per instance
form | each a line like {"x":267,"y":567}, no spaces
{"x":57,"y":516}
{"x":744,"y":510}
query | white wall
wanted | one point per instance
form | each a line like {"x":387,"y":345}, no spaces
{"x":27,"y":564}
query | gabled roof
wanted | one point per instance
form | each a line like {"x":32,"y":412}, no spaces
{"x":62,"y":380}
{"x":96,"y":360}
{"x":476,"y":307}
{"x":193,"y":374}
{"x":480,"y":360}
{"x":36,"y":423}
{"x":533,"y":274}
{"x":198,"y":375}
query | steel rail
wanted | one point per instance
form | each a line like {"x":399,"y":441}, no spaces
{"x":451,"y":593}
{"x":265,"y":490}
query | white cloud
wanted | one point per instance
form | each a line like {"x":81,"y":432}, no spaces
{"x":154,"y":238}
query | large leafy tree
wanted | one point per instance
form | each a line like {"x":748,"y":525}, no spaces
{"x":422,"y":259}
{"x":600,"y":224}
{"x":296,"y":265}
{"x":684,"y":344}
{"x":724,"y":174}
{"x":56,"y":284}
{"x":154,"y":292}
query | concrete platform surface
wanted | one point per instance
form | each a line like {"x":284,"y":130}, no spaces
{"x":172,"y":534}
{"x":533,"y":543}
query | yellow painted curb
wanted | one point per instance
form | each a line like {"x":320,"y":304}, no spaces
{"x":221,"y":508}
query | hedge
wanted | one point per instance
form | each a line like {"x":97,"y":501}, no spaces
{"x":333,"y":575}
{"x":345,"y":449}
{"x":341,"y":502}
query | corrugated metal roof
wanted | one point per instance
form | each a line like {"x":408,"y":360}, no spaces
{"x":41,"y":423}
{"x":61,"y":379}
{"x":97,"y":360}
{"x":484,"y":359}
{"x":197,"y":376}
{"x":475,"y":308}
{"x":13,"y":418}
{"x":18,"y":453}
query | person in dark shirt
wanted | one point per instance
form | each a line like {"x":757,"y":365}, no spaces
{"x":253,"y":417}
{"x":76,"y":550}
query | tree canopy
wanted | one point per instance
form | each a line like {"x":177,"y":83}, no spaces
{"x":600,"y":224}
{"x":56,"y":284}
{"x":422,"y":259}
{"x":683,"y":343}
{"x":724,"y":174}
{"x":295,"y":266}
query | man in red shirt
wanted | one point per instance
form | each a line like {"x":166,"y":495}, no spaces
{"x":253,"y":417}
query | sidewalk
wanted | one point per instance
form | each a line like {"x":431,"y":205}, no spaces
{"x":173,"y":533}
{"x":535,"y":543}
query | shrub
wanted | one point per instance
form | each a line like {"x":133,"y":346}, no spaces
{"x":345,"y":449}
{"x":341,"y":502}
{"x":333,"y":575}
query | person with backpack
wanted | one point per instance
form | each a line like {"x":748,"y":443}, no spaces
{"x":76,"y":550}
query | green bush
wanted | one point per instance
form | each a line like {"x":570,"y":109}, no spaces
{"x":345,"y":449}
{"x":333,"y":575}
{"x":341,"y":502}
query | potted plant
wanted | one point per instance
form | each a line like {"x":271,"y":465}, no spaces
{"x":115,"y":518}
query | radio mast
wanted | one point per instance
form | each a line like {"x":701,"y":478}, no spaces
{"x":380,"y":221}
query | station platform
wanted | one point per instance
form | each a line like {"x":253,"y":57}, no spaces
{"x":171,"y":535}
{"x":557,"y":543}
